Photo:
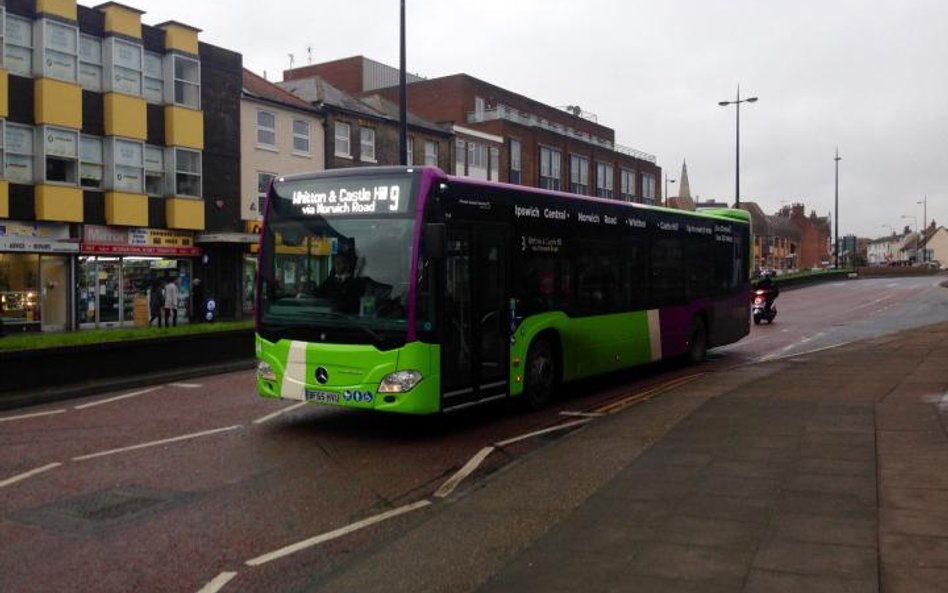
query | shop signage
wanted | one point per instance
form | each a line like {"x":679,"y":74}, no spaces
{"x":140,"y":250}
{"x":37,"y":230}
{"x":32,"y":245}
{"x":160,"y":237}
{"x":138,"y":241}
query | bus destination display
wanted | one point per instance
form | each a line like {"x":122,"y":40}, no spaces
{"x":355,"y":198}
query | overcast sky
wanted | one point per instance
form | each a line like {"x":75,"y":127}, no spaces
{"x":866,"y":76}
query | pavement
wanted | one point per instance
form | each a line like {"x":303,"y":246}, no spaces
{"x":823,"y":472}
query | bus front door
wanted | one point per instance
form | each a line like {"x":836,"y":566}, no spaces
{"x":475,"y":346}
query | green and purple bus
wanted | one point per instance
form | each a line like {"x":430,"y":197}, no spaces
{"x":407,"y":290}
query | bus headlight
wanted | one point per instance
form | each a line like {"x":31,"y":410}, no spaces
{"x":265,"y":372}
{"x":400,"y":382}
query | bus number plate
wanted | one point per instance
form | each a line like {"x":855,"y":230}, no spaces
{"x":315,"y":395}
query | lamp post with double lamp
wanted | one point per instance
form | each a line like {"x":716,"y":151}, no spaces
{"x":737,"y":143}
{"x":924,"y":203}
{"x":915,"y":222}
{"x":667,"y":181}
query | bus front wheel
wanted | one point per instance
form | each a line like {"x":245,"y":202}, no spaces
{"x":540,"y":380}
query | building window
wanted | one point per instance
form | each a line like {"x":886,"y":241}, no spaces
{"x":126,"y":159}
{"x":367,"y":144}
{"x":60,"y":157}
{"x":186,"y":171}
{"x":515,"y":167}
{"x":626,"y":184}
{"x":578,"y":174}
{"x":476,"y":160}
{"x":648,"y":188}
{"x":18,"y":45}
{"x":90,"y":63}
{"x":343,"y":140}
{"x":460,"y":157}
{"x":18,"y":145}
{"x":91,"y":170}
{"x":125,"y":61}
{"x":263,"y":183}
{"x":410,"y":151}
{"x":187,"y":81}
{"x":605,"y":181}
{"x":154,"y":171}
{"x":431,"y":153}
{"x":266,"y":130}
{"x":154,"y":78}
{"x":494,"y":172}
{"x":300,"y":137}
{"x":60,"y":50}
{"x":549,"y":168}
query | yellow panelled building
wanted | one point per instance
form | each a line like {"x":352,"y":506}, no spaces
{"x":104,"y":141}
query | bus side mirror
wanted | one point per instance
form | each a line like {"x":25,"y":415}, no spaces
{"x":435,"y":240}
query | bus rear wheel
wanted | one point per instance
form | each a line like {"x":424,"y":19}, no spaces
{"x":698,"y":344}
{"x":540,"y":380}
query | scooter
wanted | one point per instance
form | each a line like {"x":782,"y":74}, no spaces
{"x":761,"y":310}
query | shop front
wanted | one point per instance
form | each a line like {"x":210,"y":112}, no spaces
{"x":119,"y":268}
{"x":231,"y":269}
{"x":36,"y":271}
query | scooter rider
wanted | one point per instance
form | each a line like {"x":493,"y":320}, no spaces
{"x":766,"y":284}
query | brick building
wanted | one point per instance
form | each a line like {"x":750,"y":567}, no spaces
{"x":503,"y":136}
{"x":814,"y":236}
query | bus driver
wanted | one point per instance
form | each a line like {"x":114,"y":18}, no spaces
{"x":342,"y":287}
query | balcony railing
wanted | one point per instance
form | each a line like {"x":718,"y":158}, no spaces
{"x":532,"y":120}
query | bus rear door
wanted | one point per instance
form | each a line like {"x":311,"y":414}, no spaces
{"x":474,"y":354}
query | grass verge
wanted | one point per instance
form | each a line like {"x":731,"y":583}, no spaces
{"x":36,"y":341}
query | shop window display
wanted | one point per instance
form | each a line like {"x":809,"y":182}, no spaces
{"x":19,"y":292}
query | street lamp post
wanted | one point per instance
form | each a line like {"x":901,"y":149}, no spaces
{"x":667,"y":181}
{"x":402,"y":94}
{"x":915,"y":222}
{"x":737,"y":143}
{"x":836,"y":216}
{"x":924,"y":221}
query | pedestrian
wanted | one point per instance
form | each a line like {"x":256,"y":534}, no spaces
{"x":171,"y":302}
{"x":155,"y":300}
{"x":197,"y":296}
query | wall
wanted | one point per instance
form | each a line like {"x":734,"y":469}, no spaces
{"x":283,"y":160}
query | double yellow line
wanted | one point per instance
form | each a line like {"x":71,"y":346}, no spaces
{"x":635,"y":398}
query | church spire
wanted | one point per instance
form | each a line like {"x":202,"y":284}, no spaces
{"x":684,"y":190}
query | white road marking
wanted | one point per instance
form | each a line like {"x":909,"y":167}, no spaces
{"x":279,"y":412}
{"x":308,"y":543}
{"x":188,"y":386}
{"x":31,"y":473}
{"x":34,"y":415}
{"x":156,"y":443}
{"x":218,"y":583}
{"x":452,"y":483}
{"x":582,"y":414}
{"x":117,"y":398}
{"x":539,"y":432}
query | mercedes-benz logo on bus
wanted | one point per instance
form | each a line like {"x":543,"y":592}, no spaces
{"x":322,"y":375}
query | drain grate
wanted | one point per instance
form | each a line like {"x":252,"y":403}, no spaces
{"x":101,"y":510}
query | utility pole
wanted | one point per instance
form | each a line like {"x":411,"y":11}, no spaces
{"x":836,"y":217}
